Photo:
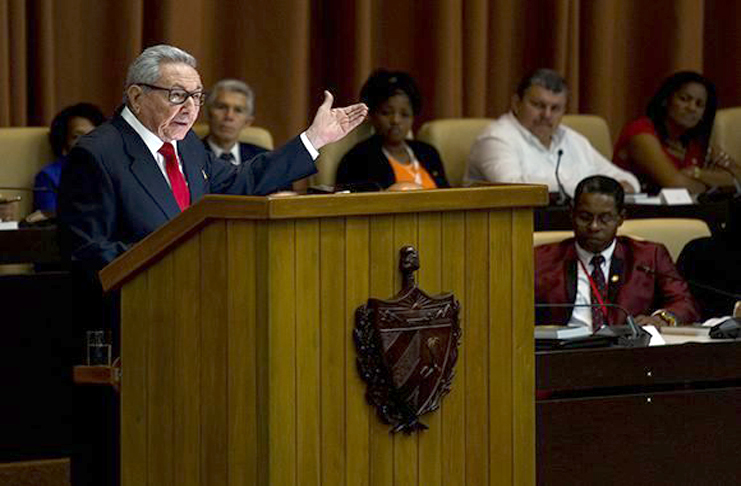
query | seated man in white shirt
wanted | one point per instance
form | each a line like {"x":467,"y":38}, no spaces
{"x":525,"y":145}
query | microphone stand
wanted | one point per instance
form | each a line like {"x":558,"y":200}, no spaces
{"x":651,"y":271}
{"x":728,"y":329}
{"x":628,"y":336}
{"x":563,"y":198}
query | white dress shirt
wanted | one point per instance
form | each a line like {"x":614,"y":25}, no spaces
{"x":152,"y":141}
{"x":508,"y":152}
{"x":236,"y":156}
{"x":582,"y":316}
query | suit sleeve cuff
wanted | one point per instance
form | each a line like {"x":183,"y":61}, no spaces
{"x":312,"y":151}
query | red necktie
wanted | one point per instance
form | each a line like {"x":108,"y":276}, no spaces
{"x":177,"y":181}
{"x":598,"y":312}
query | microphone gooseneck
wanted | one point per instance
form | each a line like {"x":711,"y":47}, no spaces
{"x":630,"y":335}
{"x":725,"y":293}
{"x":563,"y":198}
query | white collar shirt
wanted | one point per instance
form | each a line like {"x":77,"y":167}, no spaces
{"x":236,"y":156}
{"x":152,"y":141}
{"x":506,"y":151}
{"x":582,"y":316}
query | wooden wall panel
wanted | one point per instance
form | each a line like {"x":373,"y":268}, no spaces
{"x":383,"y":261}
{"x":261,"y":313}
{"x":242,"y":393}
{"x":135,"y":312}
{"x":161,"y":373}
{"x":187,"y":358}
{"x":214,"y":361}
{"x":262,"y":350}
{"x":476,"y":332}
{"x":405,"y":446}
{"x":282,"y":351}
{"x":429,"y":244}
{"x":308,"y":341}
{"x":454,"y":406}
{"x":523,"y":360}
{"x":358,"y":412}
{"x":333,"y":359}
{"x":37,"y":472}
{"x":500,"y":347}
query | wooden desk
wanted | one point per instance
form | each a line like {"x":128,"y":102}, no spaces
{"x":29,"y":245}
{"x":715,"y":214}
{"x":660,"y":415}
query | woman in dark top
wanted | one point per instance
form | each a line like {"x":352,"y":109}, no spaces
{"x":670,"y":146}
{"x":388,"y":159}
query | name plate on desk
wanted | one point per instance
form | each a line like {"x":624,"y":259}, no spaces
{"x":8,"y":225}
{"x":675,"y":196}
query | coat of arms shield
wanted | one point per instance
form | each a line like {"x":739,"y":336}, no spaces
{"x":407,"y":349}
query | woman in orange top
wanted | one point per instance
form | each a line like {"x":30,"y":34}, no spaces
{"x":670,"y":146}
{"x":388,"y":159}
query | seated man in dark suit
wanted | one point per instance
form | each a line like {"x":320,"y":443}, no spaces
{"x":230,"y":107}
{"x":133,"y":174}
{"x":598,"y":267}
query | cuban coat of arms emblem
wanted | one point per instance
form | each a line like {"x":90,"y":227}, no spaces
{"x":407,"y":349}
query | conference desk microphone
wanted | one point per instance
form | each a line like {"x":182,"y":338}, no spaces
{"x":728,"y":329}
{"x":725,"y":293}
{"x":630,"y":335}
{"x":562,"y":199}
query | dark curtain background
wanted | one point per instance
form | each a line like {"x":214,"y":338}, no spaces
{"x":466,"y":54}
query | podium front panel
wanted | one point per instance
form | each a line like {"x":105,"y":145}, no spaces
{"x":240,"y":367}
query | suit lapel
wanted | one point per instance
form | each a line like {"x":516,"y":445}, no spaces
{"x":192,"y":169}
{"x":145,"y":170}
{"x":570,"y":273}
{"x":617,"y":272}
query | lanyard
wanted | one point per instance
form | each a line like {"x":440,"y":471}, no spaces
{"x":595,"y":291}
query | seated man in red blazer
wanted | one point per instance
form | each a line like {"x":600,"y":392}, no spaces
{"x":597,"y":267}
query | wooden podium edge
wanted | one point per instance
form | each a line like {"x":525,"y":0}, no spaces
{"x":155,"y":245}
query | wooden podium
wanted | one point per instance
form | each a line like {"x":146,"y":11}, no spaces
{"x":238,"y":363}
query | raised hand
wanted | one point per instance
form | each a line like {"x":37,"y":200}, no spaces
{"x":331,"y":124}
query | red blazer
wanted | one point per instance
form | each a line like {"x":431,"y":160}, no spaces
{"x":638,"y":291}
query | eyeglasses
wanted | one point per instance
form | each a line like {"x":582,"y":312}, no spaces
{"x":604,"y":219}
{"x":178,"y":96}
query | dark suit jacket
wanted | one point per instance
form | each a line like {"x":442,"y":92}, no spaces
{"x":113,"y":194}
{"x":365,"y":163}
{"x":638,"y":291}
{"x":246,"y":150}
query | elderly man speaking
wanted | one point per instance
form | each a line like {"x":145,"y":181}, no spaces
{"x":145,"y":166}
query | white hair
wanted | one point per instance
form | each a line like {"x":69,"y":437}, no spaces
{"x":234,"y":86}
{"x":146,"y":67}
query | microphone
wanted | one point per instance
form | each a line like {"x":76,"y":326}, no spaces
{"x":563,"y":198}
{"x":725,"y":293}
{"x":629,"y":336}
{"x":728,"y":329}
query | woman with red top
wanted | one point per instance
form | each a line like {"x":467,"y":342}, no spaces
{"x":670,"y":146}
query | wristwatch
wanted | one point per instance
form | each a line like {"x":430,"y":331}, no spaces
{"x":666,"y":316}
